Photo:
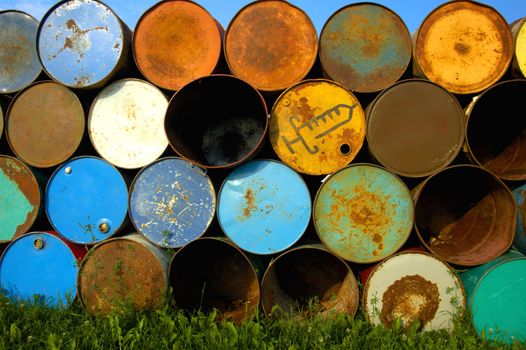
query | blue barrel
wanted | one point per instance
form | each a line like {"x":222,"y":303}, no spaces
{"x":39,"y":266}
{"x":264,"y":206}
{"x":519,"y":242}
{"x":86,"y":200}
{"x":82,"y":43}
{"x":172,"y":202}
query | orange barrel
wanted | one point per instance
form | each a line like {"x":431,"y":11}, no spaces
{"x":175,"y":42}
{"x":364,"y":46}
{"x":465,"y":215}
{"x":496,"y":132}
{"x":414,"y":285}
{"x":126,"y":123}
{"x":271,"y":44}
{"x":45,"y":124}
{"x":463,"y":46}
{"x":123,"y":272}
{"x":415,"y":128}
{"x":317,"y":127}
{"x":308,"y":276}
{"x":518,"y":64}
{"x":212,"y":273}
{"x":216,"y":121}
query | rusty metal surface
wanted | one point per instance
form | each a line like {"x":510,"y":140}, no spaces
{"x":463,"y":46}
{"x":317,"y":127}
{"x":216,"y":121}
{"x":365,"y":46}
{"x":430,"y":119}
{"x":519,"y":242}
{"x":176,"y":42}
{"x":271,"y":44}
{"x":496,"y":130}
{"x":518,"y":63}
{"x":465,"y":215}
{"x":1,"y":121}
{"x":212,"y":273}
{"x":123,"y":272}
{"x":45,"y":124}
{"x":363,"y":213}
{"x":309,"y":275}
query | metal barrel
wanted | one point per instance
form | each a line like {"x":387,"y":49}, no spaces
{"x":88,"y":38}
{"x":20,"y":198}
{"x":224,"y":280}
{"x":126,"y":123}
{"x":430,"y":119}
{"x":39,"y":267}
{"x":19,"y":64}
{"x":519,"y":242}
{"x":175,"y":42}
{"x":317,"y":127}
{"x":495,"y":136}
{"x":518,"y":63}
{"x":123,"y":272}
{"x":413,"y":286}
{"x":172,"y":202}
{"x":365,"y":46}
{"x":309,"y":279}
{"x":363,"y":213}
{"x":45,"y":124}
{"x":271,"y":44}
{"x":264,"y":207}
{"x":465,"y":215}
{"x":464,"y":46}
{"x":495,"y":294}
{"x":216,"y":121}
{"x":86,"y":200}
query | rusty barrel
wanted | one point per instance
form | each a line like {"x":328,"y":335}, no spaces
{"x":317,"y":127}
{"x":20,"y":198}
{"x":465,"y":215}
{"x":123,"y":272}
{"x":216,"y":121}
{"x":415,"y":128}
{"x":464,"y":46}
{"x":518,"y":64}
{"x":212,"y":273}
{"x":86,"y":200}
{"x":271,"y":44}
{"x":45,"y":124}
{"x":364,"y":46}
{"x":496,"y":132}
{"x":413,"y":286}
{"x":126,"y":123}
{"x":172,"y":202}
{"x":264,"y":206}
{"x":83,"y":43}
{"x":363,"y":213}
{"x":307,"y":279}
{"x":175,"y":42}
{"x":519,"y":242}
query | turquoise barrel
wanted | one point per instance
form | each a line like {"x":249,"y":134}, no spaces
{"x":519,"y":242}
{"x":495,"y":293}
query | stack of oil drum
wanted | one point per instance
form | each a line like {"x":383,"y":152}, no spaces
{"x":264,"y":166}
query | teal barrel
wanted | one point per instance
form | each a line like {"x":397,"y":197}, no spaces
{"x":495,"y":293}
{"x":519,"y":242}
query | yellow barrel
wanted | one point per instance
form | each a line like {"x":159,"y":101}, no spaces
{"x":463,"y":46}
{"x":518,"y":65}
{"x":317,"y":127}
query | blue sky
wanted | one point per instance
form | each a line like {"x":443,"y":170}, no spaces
{"x":411,"y":11}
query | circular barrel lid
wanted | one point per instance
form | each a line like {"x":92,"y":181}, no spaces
{"x":172,"y":202}
{"x":126,"y":123}
{"x":86,"y":200}
{"x":363,"y":213}
{"x":264,"y":206}
{"x":317,"y":127}
{"x":518,"y":31}
{"x":45,"y":124}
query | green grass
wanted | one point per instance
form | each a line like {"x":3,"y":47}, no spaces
{"x":30,"y":326}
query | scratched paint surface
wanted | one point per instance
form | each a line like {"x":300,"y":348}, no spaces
{"x":264,"y":207}
{"x":519,"y":242}
{"x":317,"y":127}
{"x":363,"y":213}
{"x":80,"y":42}
{"x":172,"y":202}
{"x":86,"y":200}
{"x":49,"y":273}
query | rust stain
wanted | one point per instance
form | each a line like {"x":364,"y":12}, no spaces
{"x":462,"y":48}
{"x":250,"y":204}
